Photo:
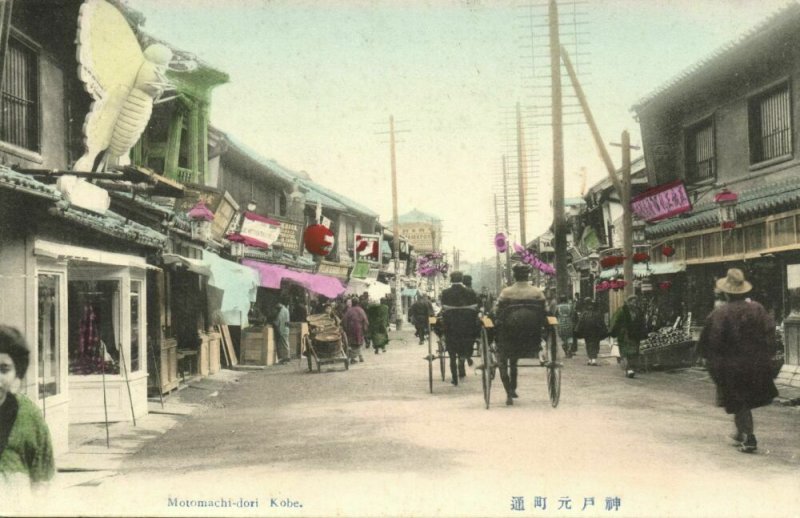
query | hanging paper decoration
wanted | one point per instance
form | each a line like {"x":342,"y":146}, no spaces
{"x":617,"y":284}
{"x":528,"y":257}
{"x":432,"y":264}
{"x":667,"y":251}
{"x":641,"y":257}
{"x":603,"y":286}
{"x":318,"y":239}
{"x":500,"y":243}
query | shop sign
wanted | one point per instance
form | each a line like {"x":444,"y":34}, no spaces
{"x":367,"y":247}
{"x":221,"y":203}
{"x":337,"y":270}
{"x":290,"y":237}
{"x":361,"y":270}
{"x":662,"y":202}
{"x":260,"y":229}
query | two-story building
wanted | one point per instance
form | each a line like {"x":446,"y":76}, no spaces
{"x":730,"y":123}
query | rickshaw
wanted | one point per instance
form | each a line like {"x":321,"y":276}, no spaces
{"x":549,"y":360}
{"x":326,"y":342}
{"x":441,"y":355}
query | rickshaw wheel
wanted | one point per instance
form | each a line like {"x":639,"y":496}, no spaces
{"x":488,"y":368}
{"x":430,"y":363}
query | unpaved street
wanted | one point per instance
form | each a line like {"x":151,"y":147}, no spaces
{"x":373,"y":441}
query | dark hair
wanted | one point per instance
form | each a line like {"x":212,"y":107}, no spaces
{"x":521,"y":272}
{"x":456,"y":277}
{"x":467,"y":280}
{"x":13,"y":344}
{"x":356,"y":302}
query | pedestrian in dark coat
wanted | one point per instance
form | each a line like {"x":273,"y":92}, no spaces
{"x":355,"y":325}
{"x":565,"y":312}
{"x":419,"y":313}
{"x":591,"y":326}
{"x":738,"y":342}
{"x":378,"y":315}
{"x":460,"y":324}
{"x":627,"y":326}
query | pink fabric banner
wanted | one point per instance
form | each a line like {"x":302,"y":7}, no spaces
{"x":271,"y":276}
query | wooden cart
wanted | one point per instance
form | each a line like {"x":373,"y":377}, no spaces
{"x":325,"y":344}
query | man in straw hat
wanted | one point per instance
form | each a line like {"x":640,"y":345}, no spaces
{"x":738,"y":341}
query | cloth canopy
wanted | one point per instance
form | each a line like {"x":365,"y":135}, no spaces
{"x":193,"y":265}
{"x":376,"y":290}
{"x":409,"y":292}
{"x":238,"y":283}
{"x":271,"y":276}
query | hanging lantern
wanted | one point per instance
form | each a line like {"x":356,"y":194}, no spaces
{"x":318,"y":239}
{"x":667,"y":250}
{"x":610,"y":261}
{"x":638,"y":231}
{"x":200,"y":218}
{"x":726,"y":202}
{"x":641,"y":257}
{"x":665,"y":286}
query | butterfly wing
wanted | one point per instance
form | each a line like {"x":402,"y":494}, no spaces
{"x":109,"y":57}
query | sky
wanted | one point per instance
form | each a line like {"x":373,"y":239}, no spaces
{"x":313,"y":85}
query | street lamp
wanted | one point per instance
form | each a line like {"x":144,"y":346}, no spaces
{"x":726,"y":203}
{"x":251,"y":206}
{"x":200,"y":218}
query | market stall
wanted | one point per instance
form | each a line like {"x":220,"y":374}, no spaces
{"x":668,"y":347}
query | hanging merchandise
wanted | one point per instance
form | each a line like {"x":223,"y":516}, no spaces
{"x":318,"y":240}
{"x":501,"y":243}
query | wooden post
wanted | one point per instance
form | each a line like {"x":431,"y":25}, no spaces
{"x":627,"y":216}
{"x":505,"y":209}
{"x":559,"y":218}
{"x":498,"y":272}
{"x":398,"y":301}
{"x":521,"y":176}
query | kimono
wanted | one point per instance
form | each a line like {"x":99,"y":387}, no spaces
{"x":378,"y":316}
{"x":355,"y":325}
{"x":27,"y":458}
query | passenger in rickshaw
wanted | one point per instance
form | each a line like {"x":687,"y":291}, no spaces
{"x":460,"y":324}
{"x":520,"y":320}
{"x":419,"y":313}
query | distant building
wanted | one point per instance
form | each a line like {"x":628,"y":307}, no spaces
{"x":423,"y":231}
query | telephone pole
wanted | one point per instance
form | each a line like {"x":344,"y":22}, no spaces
{"x":398,"y":300}
{"x":498,"y":272}
{"x":521,"y":176}
{"x":559,"y":219}
{"x":505,"y":209}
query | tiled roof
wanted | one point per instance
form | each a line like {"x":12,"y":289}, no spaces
{"x":785,"y":16}
{"x":109,"y":223}
{"x":316,"y":192}
{"x":756,"y":202}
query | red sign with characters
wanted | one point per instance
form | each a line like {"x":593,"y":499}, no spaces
{"x":662,"y":202}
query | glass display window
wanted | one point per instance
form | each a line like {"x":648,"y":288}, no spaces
{"x":94,"y":327}
{"x":49,"y":340}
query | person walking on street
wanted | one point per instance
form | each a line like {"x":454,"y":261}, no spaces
{"x":378,"y":316}
{"x":356,"y":324}
{"x":519,"y":328}
{"x":576,"y":308}
{"x":629,"y":328}
{"x":565,"y":312}
{"x":281,"y":325}
{"x":460,"y":324}
{"x":591,"y":326}
{"x":26,"y":450}
{"x":738,"y":342}
{"x":419,"y":313}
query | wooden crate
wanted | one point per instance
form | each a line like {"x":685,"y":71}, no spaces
{"x":167,"y":367}
{"x":258,"y":346}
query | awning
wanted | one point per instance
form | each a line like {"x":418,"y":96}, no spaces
{"x":239,"y":284}
{"x":65,"y":252}
{"x":271,"y":276}
{"x":646,"y":270}
{"x":193,"y":265}
{"x":409,"y":292}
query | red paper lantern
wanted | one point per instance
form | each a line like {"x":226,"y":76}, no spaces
{"x":641,"y":257}
{"x":665,"y":286}
{"x":610,"y":261}
{"x":318,"y":239}
{"x":667,"y":251}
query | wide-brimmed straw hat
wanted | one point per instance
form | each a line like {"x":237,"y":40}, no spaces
{"x":734,"y":282}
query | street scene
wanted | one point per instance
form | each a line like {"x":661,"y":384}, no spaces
{"x":381,"y":258}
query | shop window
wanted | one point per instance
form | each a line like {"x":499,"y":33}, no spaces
{"x":49,"y":331}
{"x":754,"y":237}
{"x":701,"y":162}
{"x":20,"y":99}
{"x":770,"y":123}
{"x":94,"y":327}
{"x":733,"y":242}
{"x":712,"y":245}
{"x":136,"y":338}
{"x":783,"y":231}
{"x":693,"y":250}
